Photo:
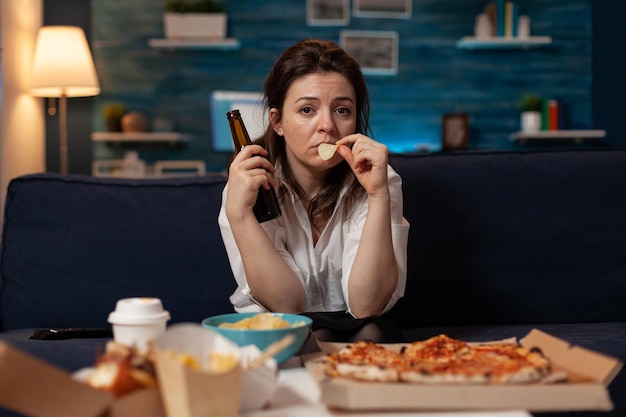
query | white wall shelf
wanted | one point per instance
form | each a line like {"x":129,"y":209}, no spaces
{"x":168,"y":137}
{"x":471,"y":42}
{"x":575,"y":136}
{"x":194,"y":43}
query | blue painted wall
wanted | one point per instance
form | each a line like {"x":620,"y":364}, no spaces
{"x":434,"y":76}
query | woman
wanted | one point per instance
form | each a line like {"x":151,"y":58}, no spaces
{"x":338,"y":251}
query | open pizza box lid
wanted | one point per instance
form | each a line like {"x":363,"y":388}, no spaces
{"x":586,"y":389}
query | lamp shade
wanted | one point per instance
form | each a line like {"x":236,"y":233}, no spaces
{"x":63,"y":64}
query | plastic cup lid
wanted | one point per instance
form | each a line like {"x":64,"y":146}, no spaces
{"x":138,"y":310}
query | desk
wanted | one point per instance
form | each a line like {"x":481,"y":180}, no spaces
{"x":298,"y":395}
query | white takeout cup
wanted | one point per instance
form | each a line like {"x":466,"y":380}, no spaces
{"x":138,"y":321}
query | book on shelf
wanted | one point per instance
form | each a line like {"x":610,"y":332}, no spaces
{"x":500,"y":16}
{"x":562,"y":114}
{"x":553,"y":115}
{"x":504,"y":16}
{"x":490,"y":10}
{"x":514,"y":19}
{"x":544,"y":114}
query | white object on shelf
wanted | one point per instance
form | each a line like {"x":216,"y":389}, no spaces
{"x":124,"y":168}
{"x":182,"y":25}
{"x":578,"y":136}
{"x":138,"y":137}
{"x":530,"y":121}
{"x":132,"y":166}
{"x":180,"y":167}
{"x":501,"y":42}
{"x":195,"y":43}
{"x":483,"y":27}
{"x":523,"y":27}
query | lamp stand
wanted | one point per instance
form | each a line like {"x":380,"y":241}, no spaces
{"x":63,"y":147}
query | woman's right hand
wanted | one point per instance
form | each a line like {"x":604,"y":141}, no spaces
{"x":248,"y":171}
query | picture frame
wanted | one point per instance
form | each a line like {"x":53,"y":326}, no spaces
{"x":252,"y":108}
{"x":328,"y":12}
{"x":395,"y":9}
{"x":454,"y":131}
{"x":375,"y":51}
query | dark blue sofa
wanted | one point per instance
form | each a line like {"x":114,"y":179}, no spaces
{"x":500,"y":243}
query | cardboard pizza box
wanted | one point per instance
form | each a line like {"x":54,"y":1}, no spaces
{"x":589,"y":372}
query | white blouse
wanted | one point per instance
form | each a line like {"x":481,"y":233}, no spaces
{"x":323,"y":269}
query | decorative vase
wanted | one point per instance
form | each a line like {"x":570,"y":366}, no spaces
{"x":195,"y":25}
{"x":483,"y":28}
{"x":135,"y":122}
{"x":531,"y":121}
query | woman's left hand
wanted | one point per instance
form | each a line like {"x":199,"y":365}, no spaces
{"x":368,"y":160}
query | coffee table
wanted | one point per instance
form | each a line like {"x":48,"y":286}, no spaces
{"x":298,"y":395}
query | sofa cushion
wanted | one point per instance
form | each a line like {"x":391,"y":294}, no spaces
{"x":91,"y":241}
{"x":514,"y":237}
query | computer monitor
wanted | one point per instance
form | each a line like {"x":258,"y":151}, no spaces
{"x":249,"y":104}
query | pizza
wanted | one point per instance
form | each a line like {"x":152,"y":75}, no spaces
{"x":439,"y":360}
{"x":365,"y":360}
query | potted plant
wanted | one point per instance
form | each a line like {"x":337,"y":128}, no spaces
{"x":112,"y":114}
{"x":530,"y":106}
{"x":194,"y":19}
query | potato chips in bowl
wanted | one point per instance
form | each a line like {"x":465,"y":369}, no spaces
{"x":262,"y":329}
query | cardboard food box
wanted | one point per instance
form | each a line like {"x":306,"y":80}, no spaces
{"x":589,"y":374}
{"x":35,"y":388}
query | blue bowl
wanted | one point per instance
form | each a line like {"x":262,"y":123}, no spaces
{"x":263,"y":338}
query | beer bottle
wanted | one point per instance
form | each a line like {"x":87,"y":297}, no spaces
{"x":266,"y":206}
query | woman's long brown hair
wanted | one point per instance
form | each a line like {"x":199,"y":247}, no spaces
{"x":304,"y":58}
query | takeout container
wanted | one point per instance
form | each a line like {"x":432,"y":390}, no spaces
{"x":590,"y":373}
{"x":36,"y":388}
{"x":189,"y":393}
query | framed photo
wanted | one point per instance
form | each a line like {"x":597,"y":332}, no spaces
{"x":454,"y":131}
{"x":399,"y":9}
{"x":328,"y":12}
{"x":375,"y":51}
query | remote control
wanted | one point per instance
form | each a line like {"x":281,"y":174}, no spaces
{"x":57,"y":333}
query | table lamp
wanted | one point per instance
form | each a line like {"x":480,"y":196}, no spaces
{"x":63,"y":67}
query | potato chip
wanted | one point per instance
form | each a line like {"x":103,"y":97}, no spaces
{"x":261,"y":321}
{"x":326,"y":150}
